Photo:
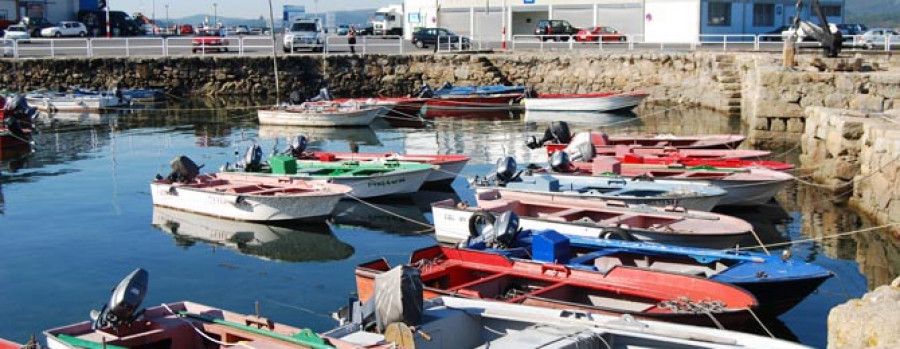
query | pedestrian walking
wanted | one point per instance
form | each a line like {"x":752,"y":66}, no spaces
{"x":351,"y":39}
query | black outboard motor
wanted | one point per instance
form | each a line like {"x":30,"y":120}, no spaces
{"x":558,"y":132}
{"x":297,"y":146}
{"x":324,"y":95}
{"x":507,"y":229}
{"x":253,"y":159}
{"x":184,"y":170}
{"x":505,"y":171}
{"x":425,"y":92}
{"x":559,"y":162}
{"x":124,"y":303}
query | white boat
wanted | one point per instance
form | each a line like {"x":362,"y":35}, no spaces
{"x":594,"y":119}
{"x":590,"y":218}
{"x":245,"y":197}
{"x":453,"y":322}
{"x":321,"y":114}
{"x":595,"y":102}
{"x":75,"y":102}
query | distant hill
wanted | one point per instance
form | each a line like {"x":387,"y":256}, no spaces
{"x":340,"y":17}
{"x":874,"y":13}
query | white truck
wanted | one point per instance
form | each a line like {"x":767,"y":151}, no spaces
{"x":388,"y":21}
{"x":304,"y":33}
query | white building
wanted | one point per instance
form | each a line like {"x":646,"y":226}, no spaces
{"x":654,"y":20}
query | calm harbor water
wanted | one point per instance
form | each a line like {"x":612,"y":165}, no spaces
{"x":76,"y":216}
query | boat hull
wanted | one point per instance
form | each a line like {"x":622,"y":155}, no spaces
{"x":403,"y":183}
{"x":285,"y":117}
{"x":472,"y":106}
{"x":52,"y":104}
{"x":251,"y":208}
{"x":451,"y":226}
{"x":694,"y":203}
{"x":447,"y":167}
{"x":604,"y":102}
{"x":749,"y":193}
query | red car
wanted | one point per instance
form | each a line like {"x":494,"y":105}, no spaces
{"x":609,"y":34}
{"x":186,"y":29}
{"x":210,"y":39}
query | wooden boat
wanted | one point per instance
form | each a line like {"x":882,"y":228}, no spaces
{"x":445,"y":167}
{"x":65,"y":101}
{"x":5,"y":344}
{"x":558,"y":135}
{"x":284,"y":242}
{"x":453,"y":322}
{"x":478,"y":90}
{"x":679,"y":160}
{"x":594,"y":102}
{"x":695,"y":196}
{"x":16,"y":124}
{"x":476,"y":105}
{"x":396,"y":106}
{"x":447,"y":271}
{"x":587,"y":118}
{"x":320,"y":114}
{"x":245,"y":197}
{"x":745,"y":186}
{"x":710,"y":154}
{"x":454,"y":223}
{"x":184,"y":324}
{"x":366,"y":179}
{"x":777,"y":282}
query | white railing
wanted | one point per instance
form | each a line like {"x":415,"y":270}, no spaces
{"x":262,"y":45}
{"x":387,"y":44}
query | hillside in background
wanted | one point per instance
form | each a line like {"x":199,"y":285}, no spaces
{"x":341,"y":17}
{"x":874,"y":13}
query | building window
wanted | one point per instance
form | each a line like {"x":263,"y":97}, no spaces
{"x":763,"y":15}
{"x":831,"y":10}
{"x":719,"y":14}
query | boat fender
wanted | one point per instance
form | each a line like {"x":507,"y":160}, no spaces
{"x":616,"y":233}
{"x":480,"y":217}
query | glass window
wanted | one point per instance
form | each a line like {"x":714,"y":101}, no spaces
{"x":719,"y":14}
{"x":763,"y":15}
{"x":831,"y":10}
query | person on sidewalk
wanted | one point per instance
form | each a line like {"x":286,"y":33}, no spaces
{"x":351,"y":39}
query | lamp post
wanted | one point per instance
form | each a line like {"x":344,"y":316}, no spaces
{"x":168,"y":25}
{"x":215,"y":15}
{"x":153,"y":13}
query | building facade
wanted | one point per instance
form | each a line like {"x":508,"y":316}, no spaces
{"x":647,"y":20}
{"x":50,"y":10}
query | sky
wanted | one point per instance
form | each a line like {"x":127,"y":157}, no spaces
{"x":238,"y":8}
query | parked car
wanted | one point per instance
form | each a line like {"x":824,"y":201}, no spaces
{"x":429,"y":36}
{"x":210,"y":39}
{"x":850,"y":29}
{"x":242,"y":30}
{"x":17,"y":32}
{"x":555,"y":29}
{"x":186,"y":29}
{"x":343,"y":29}
{"x":65,"y":28}
{"x":304,"y":33}
{"x":369,"y":30}
{"x":593,"y":34}
{"x":774,"y":34}
{"x":35,"y":26}
{"x":878,"y":37}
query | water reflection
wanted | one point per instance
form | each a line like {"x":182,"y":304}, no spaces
{"x":405,"y":215}
{"x":621,"y":119}
{"x":318,"y":135}
{"x":297,"y":242}
{"x":80,"y":118}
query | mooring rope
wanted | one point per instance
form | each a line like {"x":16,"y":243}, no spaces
{"x":429,"y":226}
{"x":758,"y":321}
{"x":203,"y":334}
{"x":820,"y":238}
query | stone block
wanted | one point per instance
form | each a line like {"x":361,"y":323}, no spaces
{"x":868,"y":322}
{"x":777,"y":124}
{"x":867,"y":103}
{"x":837,"y":100}
{"x":795,"y":125}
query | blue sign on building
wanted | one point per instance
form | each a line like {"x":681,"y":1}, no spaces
{"x":529,"y":2}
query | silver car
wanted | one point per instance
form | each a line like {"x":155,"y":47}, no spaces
{"x":17,"y":32}
{"x":65,"y":29}
{"x":879,"y":37}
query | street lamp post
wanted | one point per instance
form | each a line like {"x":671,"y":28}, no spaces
{"x":215,"y":15}
{"x":153,"y":13}
{"x":168,"y":25}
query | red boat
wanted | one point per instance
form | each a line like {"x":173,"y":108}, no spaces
{"x":680,"y":160}
{"x":558,"y":136}
{"x":15,"y":123}
{"x":5,"y":344}
{"x":712,"y":154}
{"x":405,"y":107}
{"x":456,"y":106}
{"x":642,"y":293}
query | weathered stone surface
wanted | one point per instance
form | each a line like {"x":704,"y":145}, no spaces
{"x":870,"y":322}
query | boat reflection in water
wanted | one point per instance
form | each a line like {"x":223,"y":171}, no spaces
{"x":80,"y":118}
{"x":297,"y":242}
{"x":621,"y":119}
{"x":404,"y":215}
{"x":317,"y":135}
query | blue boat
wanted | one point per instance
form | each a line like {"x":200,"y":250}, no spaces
{"x":778,"y":282}
{"x":698,"y":196}
{"x":480,"y":90}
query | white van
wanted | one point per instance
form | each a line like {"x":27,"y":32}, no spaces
{"x":304,"y":34}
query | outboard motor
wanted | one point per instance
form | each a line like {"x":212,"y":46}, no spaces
{"x":507,"y":229}
{"x":324,"y":95}
{"x":184,"y":170}
{"x":297,"y":146}
{"x":505,"y":171}
{"x":425,"y":92}
{"x":500,"y":231}
{"x":124,"y":303}
{"x":557,"y":132}
{"x":559,"y":162}
{"x":296,"y":97}
{"x":253,"y":158}
{"x":581,"y":148}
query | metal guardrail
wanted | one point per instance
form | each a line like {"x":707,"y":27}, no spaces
{"x":263,"y":45}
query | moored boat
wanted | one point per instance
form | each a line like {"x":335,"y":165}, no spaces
{"x":558,"y":135}
{"x":697,"y":196}
{"x":712,"y":154}
{"x":594,"y":102}
{"x":48,"y":101}
{"x":476,"y":106}
{"x":16,"y":123}
{"x":454,"y":223}
{"x":447,"y":271}
{"x":777,"y":282}
{"x":325,"y":114}
{"x":366,"y":178}
{"x":244,"y":197}
{"x":679,"y":160}
{"x":448,"y":89}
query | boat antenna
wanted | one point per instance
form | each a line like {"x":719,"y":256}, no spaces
{"x":274,"y":52}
